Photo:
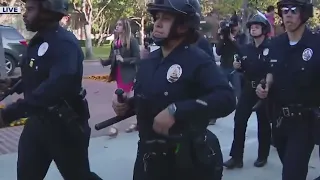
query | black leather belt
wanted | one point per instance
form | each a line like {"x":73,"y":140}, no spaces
{"x":253,"y":84}
{"x":296,"y":110}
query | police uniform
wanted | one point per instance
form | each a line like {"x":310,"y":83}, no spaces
{"x":254,"y":65}
{"x":194,"y":90}
{"x":57,"y":128}
{"x":295,"y":91}
{"x":196,"y":87}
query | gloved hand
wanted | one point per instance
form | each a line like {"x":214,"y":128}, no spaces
{"x":5,"y":84}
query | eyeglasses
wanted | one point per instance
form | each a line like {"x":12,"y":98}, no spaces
{"x":293,"y":10}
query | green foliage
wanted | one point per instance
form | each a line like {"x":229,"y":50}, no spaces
{"x":315,"y":21}
{"x":107,"y":12}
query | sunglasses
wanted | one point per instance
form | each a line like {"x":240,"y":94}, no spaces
{"x":293,"y":10}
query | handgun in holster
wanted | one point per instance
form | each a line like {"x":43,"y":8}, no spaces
{"x":73,"y":110}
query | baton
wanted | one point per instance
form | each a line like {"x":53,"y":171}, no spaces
{"x":113,"y":120}
{"x":259,"y":103}
{"x":10,"y":91}
{"x":121,"y":99}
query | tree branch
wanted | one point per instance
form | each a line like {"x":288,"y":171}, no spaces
{"x":99,"y":13}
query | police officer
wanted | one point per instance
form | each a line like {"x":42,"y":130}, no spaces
{"x":57,"y":128}
{"x":253,"y":63}
{"x":204,"y":44}
{"x":293,"y":82}
{"x":177,"y":90}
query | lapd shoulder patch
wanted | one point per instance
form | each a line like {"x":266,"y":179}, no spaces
{"x":43,"y":49}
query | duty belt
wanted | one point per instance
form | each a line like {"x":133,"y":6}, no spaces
{"x":253,"y":84}
{"x":296,"y":110}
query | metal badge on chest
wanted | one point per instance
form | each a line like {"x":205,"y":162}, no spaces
{"x":307,"y":54}
{"x":174,"y":73}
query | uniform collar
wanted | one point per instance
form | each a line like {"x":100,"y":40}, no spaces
{"x":174,"y":53}
{"x":264,"y":43}
{"x":44,"y":34}
{"x":49,"y":30}
{"x":304,"y":41}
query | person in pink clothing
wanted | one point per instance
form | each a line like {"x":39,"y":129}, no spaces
{"x":270,"y":16}
{"x":124,"y":55}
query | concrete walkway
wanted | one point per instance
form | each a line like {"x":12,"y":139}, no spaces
{"x":114,"y":158}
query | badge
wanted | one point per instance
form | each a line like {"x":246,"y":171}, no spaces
{"x":174,"y":73}
{"x":31,"y":62}
{"x":307,"y":54}
{"x":265,"y":52}
{"x":43,"y":49}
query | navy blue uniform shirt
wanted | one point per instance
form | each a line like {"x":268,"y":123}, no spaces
{"x":255,"y":60}
{"x":188,"y":78}
{"x":51,"y":71}
{"x":296,"y":70}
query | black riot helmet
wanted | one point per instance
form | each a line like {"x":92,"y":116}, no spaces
{"x":188,"y":13}
{"x":57,"y":6}
{"x":258,"y":19}
{"x":305,"y":5}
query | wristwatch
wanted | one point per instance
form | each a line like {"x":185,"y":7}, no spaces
{"x":172,"y":108}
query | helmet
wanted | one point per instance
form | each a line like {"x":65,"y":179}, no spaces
{"x":190,"y":9}
{"x":258,"y":19}
{"x":188,"y":12}
{"x":306,"y":5}
{"x":58,"y":6}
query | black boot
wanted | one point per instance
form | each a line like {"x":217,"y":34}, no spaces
{"x":233,"y":163}
{"x":260,"y":162}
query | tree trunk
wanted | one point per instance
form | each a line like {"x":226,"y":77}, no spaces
{"x":87,"y":14}
{"x":88,"y":49}
{"x":245,"y":16}
{"x":102,"y":31}
{"x":142,"y":30}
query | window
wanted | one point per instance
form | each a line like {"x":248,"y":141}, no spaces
{"x":10,"y":33}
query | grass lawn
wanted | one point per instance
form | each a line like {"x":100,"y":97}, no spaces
{"x":100,"y":52}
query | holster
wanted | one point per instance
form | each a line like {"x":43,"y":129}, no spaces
{"x":157,"y":159}
{"x":203,"y":152}
{"x":187,"y":156}
{"x":75,"y":109}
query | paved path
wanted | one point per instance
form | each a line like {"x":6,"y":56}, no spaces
{"x":113,"y":159}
